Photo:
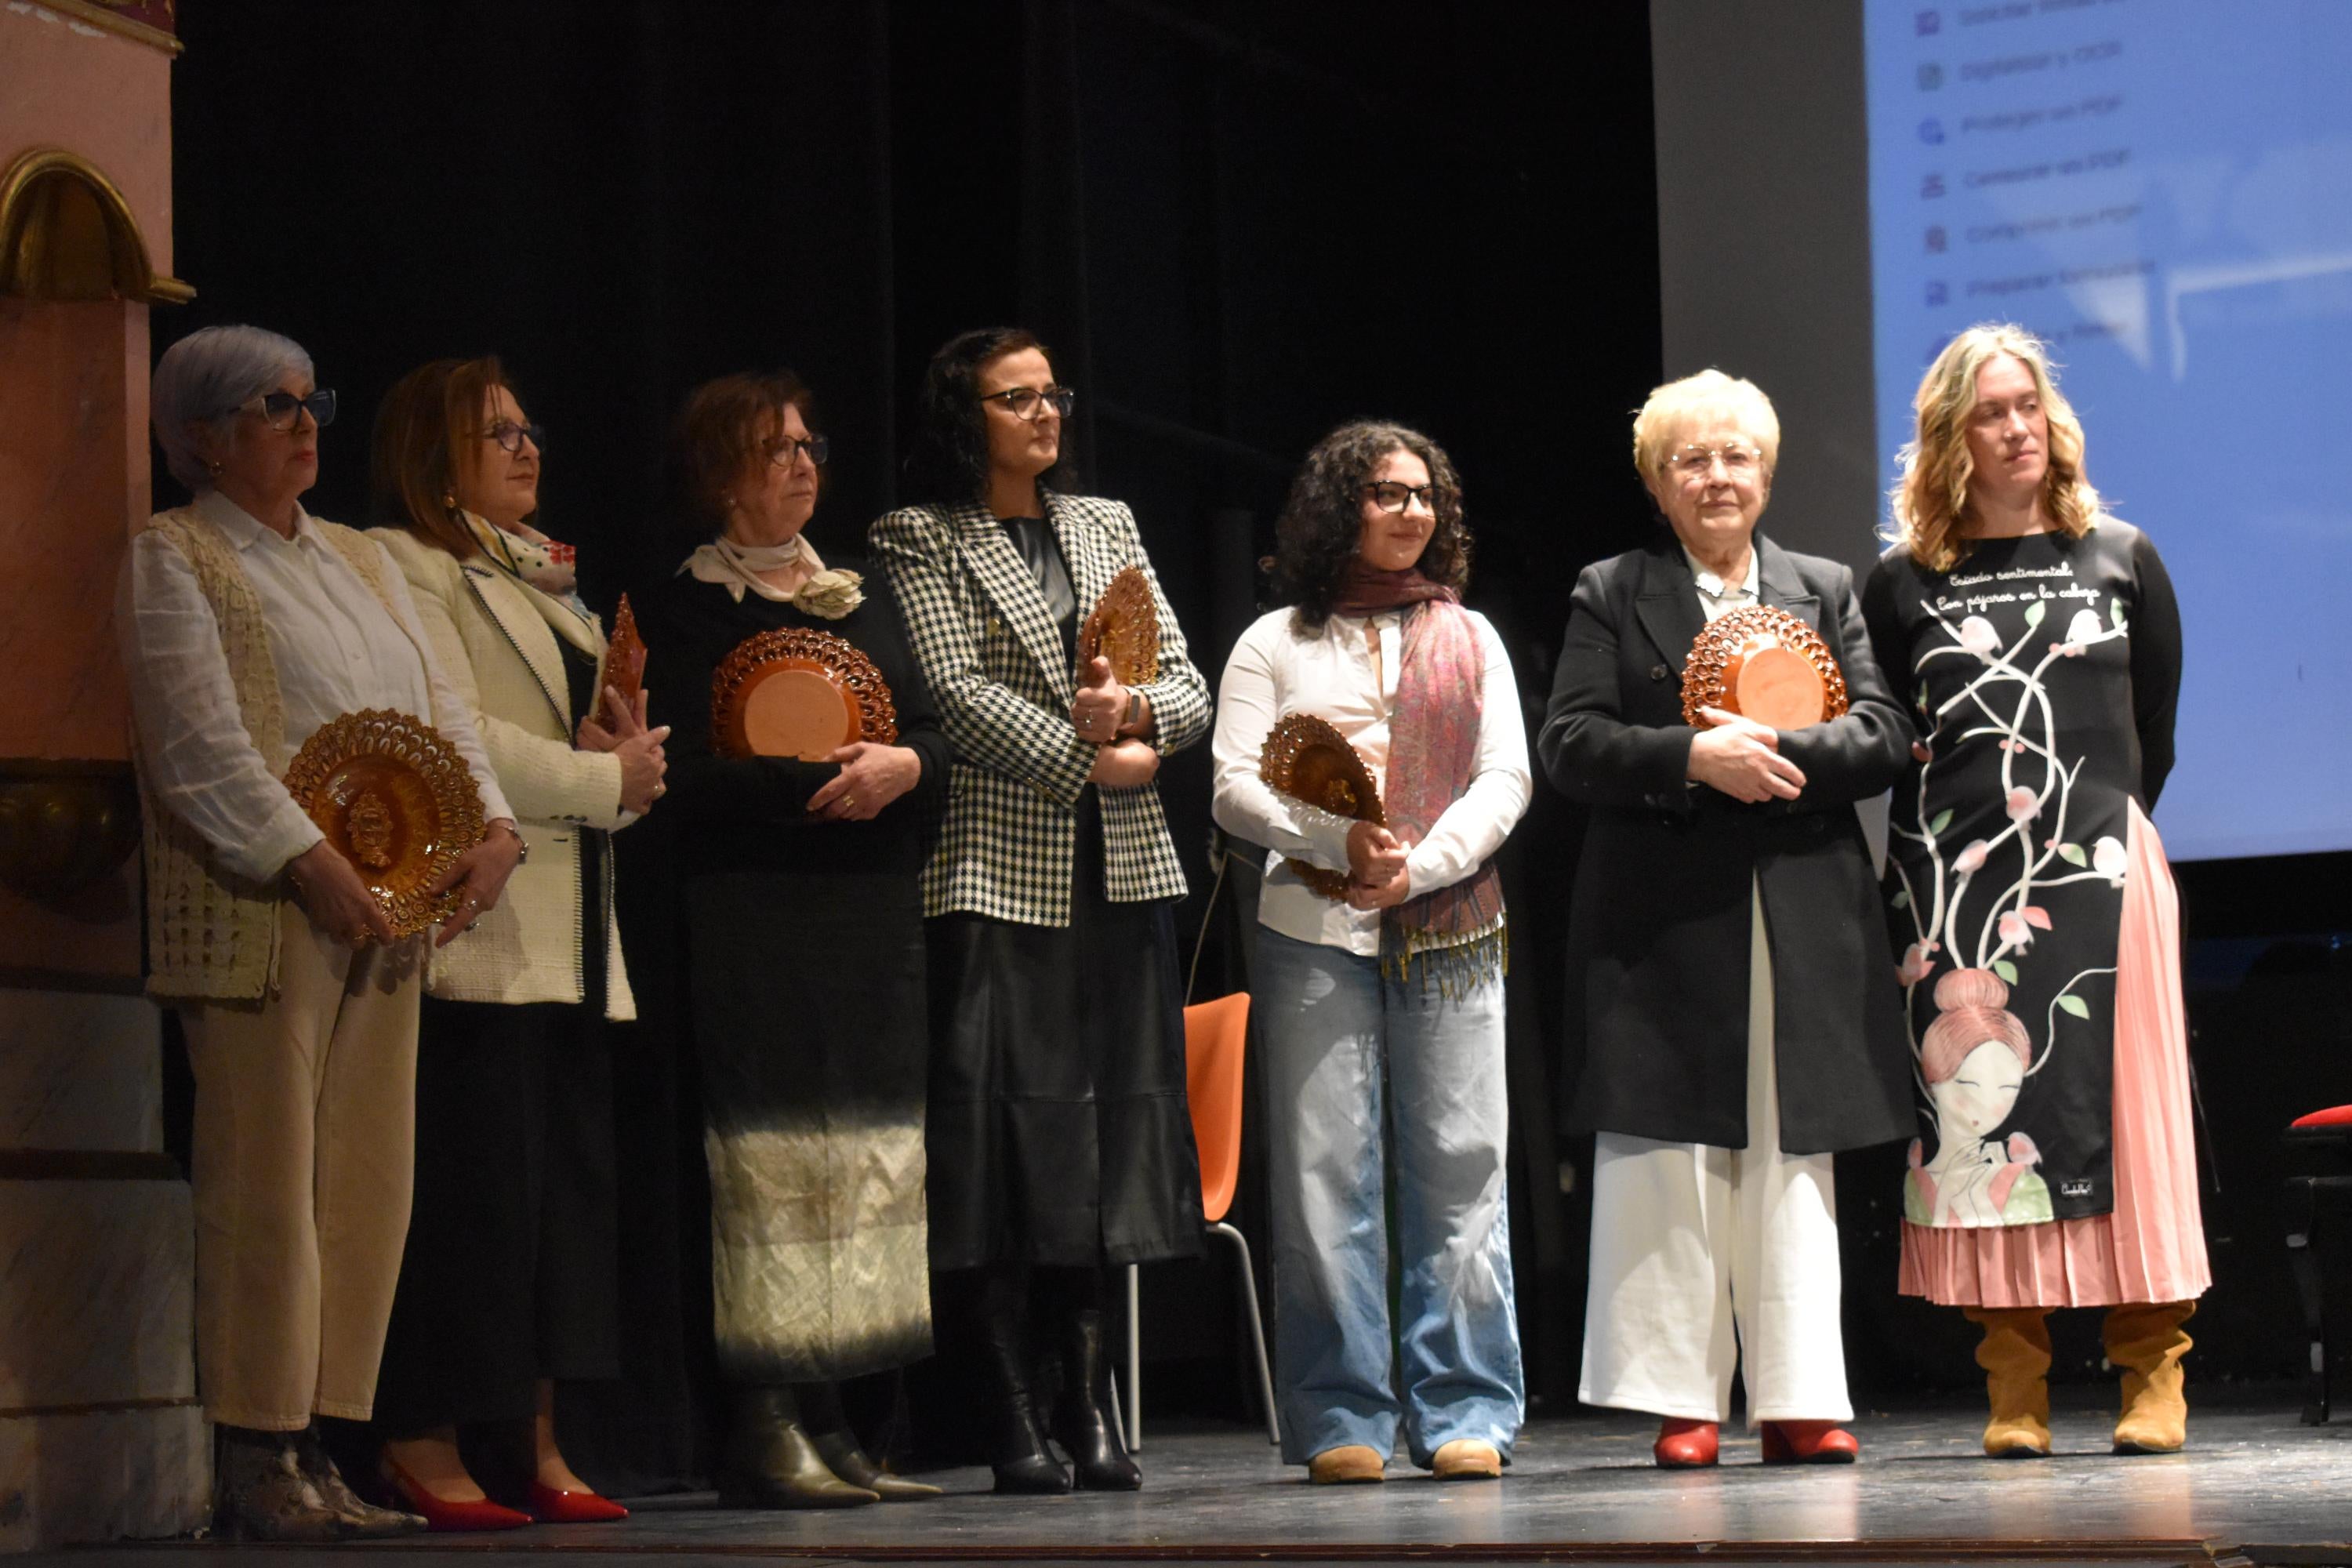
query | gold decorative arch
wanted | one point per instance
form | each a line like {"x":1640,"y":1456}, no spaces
{"x":66,"y":233}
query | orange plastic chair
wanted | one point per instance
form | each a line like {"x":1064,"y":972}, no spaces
{"x":1216,"y":1040}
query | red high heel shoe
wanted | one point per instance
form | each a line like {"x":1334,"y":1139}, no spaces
{"x":1808,"y":1443}
{"x":1686,"y":1444}
{"x":440,"y":1513}
{"x":551,"y":1507}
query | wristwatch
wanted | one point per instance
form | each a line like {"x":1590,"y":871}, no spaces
{"x":1134,"y":720}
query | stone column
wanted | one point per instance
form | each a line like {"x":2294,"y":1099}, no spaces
{"x":100,"y":1433}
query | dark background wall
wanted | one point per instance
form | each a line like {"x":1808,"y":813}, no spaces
{"x":1237,"y":224}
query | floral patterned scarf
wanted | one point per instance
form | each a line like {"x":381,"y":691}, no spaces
{"x":1456,"y":931}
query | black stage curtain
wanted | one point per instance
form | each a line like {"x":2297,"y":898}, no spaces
{"x":1237,"y":225}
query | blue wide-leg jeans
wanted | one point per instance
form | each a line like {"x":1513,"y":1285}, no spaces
{"x":1340,"y":1039}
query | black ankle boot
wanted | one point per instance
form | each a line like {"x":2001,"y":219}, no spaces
{"x":771,"y":1463}
{"x":1016,"y":1447}
{"x":1081,"y":1419}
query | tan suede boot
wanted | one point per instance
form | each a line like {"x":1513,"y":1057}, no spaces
{"x":2015,"y":1356}
{"x":2145,"y":1340}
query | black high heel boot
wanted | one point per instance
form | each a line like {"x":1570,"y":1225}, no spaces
{"x":770,"y":1461}
{"x":1081,"y":1419}
{"x":1017,"y":1448}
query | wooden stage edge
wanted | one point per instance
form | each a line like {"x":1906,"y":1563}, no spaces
{"x":2255,"y":1488}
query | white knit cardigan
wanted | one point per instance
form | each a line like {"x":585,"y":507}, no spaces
{"x":495,"y":639}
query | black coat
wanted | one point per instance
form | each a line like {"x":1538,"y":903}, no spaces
{"x":1658,"y":932}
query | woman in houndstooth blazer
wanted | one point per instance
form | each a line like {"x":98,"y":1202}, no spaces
{"x":1058,"y":1137}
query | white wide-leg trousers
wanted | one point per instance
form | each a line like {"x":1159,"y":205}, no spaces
{"x":1702,"y":1256}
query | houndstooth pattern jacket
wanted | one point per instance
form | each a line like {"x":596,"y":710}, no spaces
{"x":996,"y":665}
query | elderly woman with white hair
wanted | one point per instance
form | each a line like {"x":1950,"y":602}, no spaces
{"x":1727,"y":980}
{"x":246,"y":625}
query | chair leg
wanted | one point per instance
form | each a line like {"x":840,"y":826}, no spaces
{"x":2303,"y":1265}
{"x":1258,"y":1329}
{"x":1134,"y":1361}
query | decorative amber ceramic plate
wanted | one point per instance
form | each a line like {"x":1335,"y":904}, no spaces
{"x":794,"y":692}
{"x":624,"y":658}
{"x":1308,"y":760}
{"x":1762,"y":663}
{"x":396,"y":801}
{"x":1124,"y":627}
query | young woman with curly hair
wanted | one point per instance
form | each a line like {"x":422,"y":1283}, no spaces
{"x":1395,"y":987}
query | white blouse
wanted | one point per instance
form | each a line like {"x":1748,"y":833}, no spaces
{"x":333,"y":648}
{"x":1275,"y":671}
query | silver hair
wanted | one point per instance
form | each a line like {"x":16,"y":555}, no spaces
{"x":203,"y":378}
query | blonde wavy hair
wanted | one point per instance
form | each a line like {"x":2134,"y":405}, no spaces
{"x":1931,"y":501}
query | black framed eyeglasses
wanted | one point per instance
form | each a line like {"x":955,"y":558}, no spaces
{"x":787,"y":452}
{"x":511,"y":437}
{"x":1390,"y":496}
{"x":279,"y":410}
{"x":1027,"y":403}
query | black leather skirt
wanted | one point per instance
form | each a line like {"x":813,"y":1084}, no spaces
{"x":1058,"y":1132}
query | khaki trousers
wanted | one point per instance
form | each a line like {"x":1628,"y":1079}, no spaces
{"x":304,"y":1144}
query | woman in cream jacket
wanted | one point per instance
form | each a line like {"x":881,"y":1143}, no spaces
{"x":509,"y":1280}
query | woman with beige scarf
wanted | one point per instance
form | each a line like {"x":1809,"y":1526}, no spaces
{"x":804,"y":963}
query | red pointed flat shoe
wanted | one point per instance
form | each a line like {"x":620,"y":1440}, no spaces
{"x":551,"y":1507}
{"x":1684,"y":1445}
{"x":1808,"y":1443}
{"x":440,"y":1513}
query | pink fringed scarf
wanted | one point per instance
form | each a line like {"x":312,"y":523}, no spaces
{"x":1456,"y":931}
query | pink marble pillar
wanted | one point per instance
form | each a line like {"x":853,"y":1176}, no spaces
{"x":101,"y":1434}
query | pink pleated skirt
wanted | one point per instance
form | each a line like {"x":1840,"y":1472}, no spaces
{"x":2152,"y":1247}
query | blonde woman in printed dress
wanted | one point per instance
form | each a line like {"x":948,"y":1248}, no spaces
{"x":2035,"y":640}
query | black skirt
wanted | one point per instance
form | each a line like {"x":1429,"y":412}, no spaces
{"x":1058,"y":1132}
{"x":510,"y":1270}
{"x":808,"y":1023}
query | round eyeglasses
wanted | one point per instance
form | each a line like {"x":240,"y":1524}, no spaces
{"x":1027,"y":403}
{"x":1740,"y":462}
{"x":787,"y":452}
{"x":279,"y":410}
{"x":511,"y":437}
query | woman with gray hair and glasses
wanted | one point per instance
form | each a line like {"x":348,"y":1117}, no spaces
{"x":246,"y":625}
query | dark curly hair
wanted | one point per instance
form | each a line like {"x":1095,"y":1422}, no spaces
{"x":948,"y":463}
{"x":1322,"y":523}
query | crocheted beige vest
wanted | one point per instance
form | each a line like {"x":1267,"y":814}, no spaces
{"x":212,"y":935}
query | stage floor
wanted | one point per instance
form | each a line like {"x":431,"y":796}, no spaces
{"x":2255,"y":1487}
